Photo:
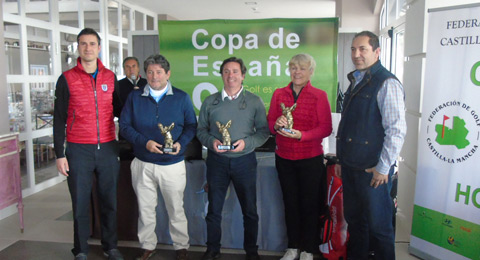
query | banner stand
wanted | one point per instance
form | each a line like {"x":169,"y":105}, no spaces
{"x":446,"y":213}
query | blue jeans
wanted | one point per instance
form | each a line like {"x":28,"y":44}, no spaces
{"x":368,"y":212}
{"x":84,"y":160}
{"x":242,"y":172}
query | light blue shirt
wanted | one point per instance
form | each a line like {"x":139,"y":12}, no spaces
{"x":158,"y":94}
{"x":391,"y":103}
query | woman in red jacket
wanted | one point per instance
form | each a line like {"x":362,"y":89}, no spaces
{"x":299,"y":154}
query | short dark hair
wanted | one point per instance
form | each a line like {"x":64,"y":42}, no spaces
{"x":156,"y":59}
{"x":372,"y":38}
{"x":237,"y":60}
{"x":130,"y":58}
{"x":88,"y":31}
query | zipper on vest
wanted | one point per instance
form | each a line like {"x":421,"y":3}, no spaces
{"x":73,"y":120}
{"x":345,"y":107}
{"x":94,"y":84}
{"x":352,"y":93}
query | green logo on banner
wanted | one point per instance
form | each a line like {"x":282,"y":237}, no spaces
{"x":457,"y":135}
{"x":473,"y":74}
{"x":447,"y":134}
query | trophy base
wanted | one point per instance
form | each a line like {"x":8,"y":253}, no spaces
{"x":288,"y":130}
{"x":169,"y":149}
{"x":225,"y":147}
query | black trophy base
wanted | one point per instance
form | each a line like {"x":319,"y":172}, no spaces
{"x":288,"y":130}
{"x":225,"y":147}
{"x":169,"y":149}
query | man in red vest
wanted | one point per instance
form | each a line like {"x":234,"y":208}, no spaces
{"x":85,"y":102}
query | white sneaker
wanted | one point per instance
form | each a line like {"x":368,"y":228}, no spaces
{"x":291,"y":254}
{"x":306,"y":256}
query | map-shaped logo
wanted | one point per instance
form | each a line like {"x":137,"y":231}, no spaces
{"x":448,"y":140}
{"x":457,"y":135}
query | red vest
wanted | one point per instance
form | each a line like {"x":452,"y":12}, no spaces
{"x":90,"y":108}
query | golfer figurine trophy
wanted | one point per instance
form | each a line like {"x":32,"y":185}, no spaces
{"x":227,"y":141}
{"x":168,"y":146}
{"x":287,"y":112}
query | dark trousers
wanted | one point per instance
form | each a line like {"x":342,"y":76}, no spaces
{"x":303,"y":185}
{"x":84,"y":160}
{"x":242,"y":172}
{"x":368,"y":212}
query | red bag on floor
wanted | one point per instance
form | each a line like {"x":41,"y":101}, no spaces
{"x":334,"y":231}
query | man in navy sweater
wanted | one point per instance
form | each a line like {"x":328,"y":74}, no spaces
{"x":159,"y":102}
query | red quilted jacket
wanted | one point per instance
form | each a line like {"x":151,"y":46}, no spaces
{"x":90,"y":110}
{"x":312,"y":117}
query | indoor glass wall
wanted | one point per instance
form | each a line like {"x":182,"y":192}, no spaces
{"x":392,"y":31}
{"x":40,"y":43}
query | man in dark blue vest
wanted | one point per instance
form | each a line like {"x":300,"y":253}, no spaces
{"x":370,"y":137}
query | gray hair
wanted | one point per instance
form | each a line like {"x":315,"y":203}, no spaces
{"x":303,"y":58}
{"x":130,"y":58}
{"x":156,"y":59}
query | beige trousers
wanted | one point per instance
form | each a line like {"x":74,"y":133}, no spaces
{"x":171,"y":179}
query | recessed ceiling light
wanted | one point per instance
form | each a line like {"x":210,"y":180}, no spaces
{"x":250,"y":3}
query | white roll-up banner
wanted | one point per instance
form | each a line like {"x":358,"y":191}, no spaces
{"x":446,"y":217}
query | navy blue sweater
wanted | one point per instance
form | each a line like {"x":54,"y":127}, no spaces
{"x":141,"y":115}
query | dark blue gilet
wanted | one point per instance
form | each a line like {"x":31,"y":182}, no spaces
{"x":360,"y":132}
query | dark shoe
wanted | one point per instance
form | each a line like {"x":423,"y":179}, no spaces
{"x":113,"y":254}
{"x":182,"y":254}
{"x":252,"y":256}
{"x":210,"y":255}
{"x":147,"y":254}
{"x":81,"y":256}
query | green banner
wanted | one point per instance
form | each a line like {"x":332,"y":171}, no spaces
{"x":451,"y":233}
{"x":196,"y":49}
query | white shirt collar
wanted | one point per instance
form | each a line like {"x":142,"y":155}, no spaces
{"x":136,"y":80}
{"x":225,"y":95}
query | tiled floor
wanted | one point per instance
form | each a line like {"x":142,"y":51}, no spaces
{"x":47,"y":219}
{"x":40,"y":250}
